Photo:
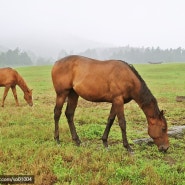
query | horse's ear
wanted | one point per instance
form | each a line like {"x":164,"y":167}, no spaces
{"x":29,"y":90}
{"x":162,"y":112}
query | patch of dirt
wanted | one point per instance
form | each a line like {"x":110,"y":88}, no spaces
{"x":48,"y":179}
{"x":44,"y":176}
{"x":180,"y":98}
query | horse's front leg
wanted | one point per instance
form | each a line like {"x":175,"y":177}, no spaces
{"x":111,"y":119}
{"x":60,"y":99}
{"x":122,"y":123}
{"x":4,"y":95}
{"x":15,"y":95}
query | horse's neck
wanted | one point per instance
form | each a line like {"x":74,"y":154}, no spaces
{"x":22,"y":84}
{"x":147,"y":101}
{"x":151,"y":109}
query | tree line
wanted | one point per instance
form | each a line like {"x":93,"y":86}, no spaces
{"x":138,"y":55}
{"x":129,"y":54}
{"x":14,"y":58}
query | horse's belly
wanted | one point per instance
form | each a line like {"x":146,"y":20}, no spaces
{"x":93,"y":92}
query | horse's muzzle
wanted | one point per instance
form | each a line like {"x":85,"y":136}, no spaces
{"x":163,"y":148}
{"x":30,"y":104}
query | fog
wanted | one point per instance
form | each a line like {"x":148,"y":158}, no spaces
{"x":47,"y":27}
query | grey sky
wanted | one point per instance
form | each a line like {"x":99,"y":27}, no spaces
{"x":113,"y":22}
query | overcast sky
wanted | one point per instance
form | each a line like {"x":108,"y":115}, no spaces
{"x":112,"y":22}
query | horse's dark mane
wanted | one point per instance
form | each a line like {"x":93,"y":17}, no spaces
{"x":146,"y":97}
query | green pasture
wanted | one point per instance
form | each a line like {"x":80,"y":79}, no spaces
{"x":27,"y":146}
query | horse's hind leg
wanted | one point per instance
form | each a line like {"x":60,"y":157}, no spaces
{"x":5,"y":94}
{"x":70,"y":109}
{"x":60,"y":99}
{"x":15,"y":95}
{"x":111,"y":119}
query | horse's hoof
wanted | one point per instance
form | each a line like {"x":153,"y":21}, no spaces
{"x":78,"y":142}
{"x":57,"y":141}
{"x":129,"y":149}
{"x":58,"y":145}
{"x":105,"y":144}
{"x":131,"y":153}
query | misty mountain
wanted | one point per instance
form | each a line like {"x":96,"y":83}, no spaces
{"x":46,"y":49}
{"x":50,"y":46}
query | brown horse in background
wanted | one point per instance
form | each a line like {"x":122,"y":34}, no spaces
{"x":105,"y":81}
{"x":9,"y":78}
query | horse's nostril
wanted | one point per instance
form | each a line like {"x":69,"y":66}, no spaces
{"x":163,"y":149}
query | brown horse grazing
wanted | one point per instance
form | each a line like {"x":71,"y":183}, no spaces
{"x":9,"y":78}
{"x":105,"y":81}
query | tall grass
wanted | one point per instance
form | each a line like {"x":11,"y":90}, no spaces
{"x":27,"y":145}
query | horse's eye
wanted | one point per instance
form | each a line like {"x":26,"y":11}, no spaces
{"x":164,"y":129}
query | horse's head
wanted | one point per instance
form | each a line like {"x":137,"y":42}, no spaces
{"x":28,"y":97}
{"x":157,"y":130}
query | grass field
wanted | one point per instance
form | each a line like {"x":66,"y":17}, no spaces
{"x":27,"y":145}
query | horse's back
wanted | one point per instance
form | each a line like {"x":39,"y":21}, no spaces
{"x":7,"y":76}
{"x":79,"y":65}
{"x":92,"y":79}
{"x":7,"y":71}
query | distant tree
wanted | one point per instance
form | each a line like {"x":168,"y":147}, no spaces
{"x":14,"y":58}
{"x":24,"y":59}
{"x":92,"y":53}
{"x":143,"y":55}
